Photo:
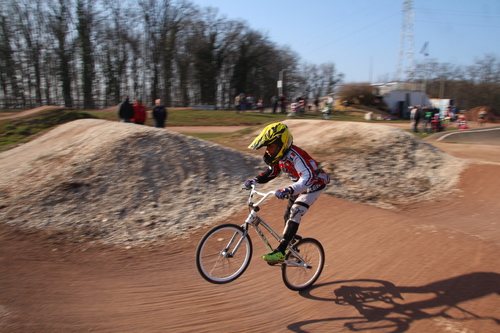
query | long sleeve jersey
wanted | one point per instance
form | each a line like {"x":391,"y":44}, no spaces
{"x":301,"y":168}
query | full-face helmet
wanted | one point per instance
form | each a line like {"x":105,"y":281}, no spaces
{"x":275,"y":133}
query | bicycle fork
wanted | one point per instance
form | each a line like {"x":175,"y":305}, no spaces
{"x":225,"y":252}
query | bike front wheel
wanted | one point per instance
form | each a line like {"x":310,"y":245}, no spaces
{"x":304,"y":274}
{"x":224,"y":253}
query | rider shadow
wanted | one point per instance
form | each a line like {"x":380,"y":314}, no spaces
{"x":382,"y":306}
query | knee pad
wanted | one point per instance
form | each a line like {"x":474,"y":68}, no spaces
{"x":297,"y":211}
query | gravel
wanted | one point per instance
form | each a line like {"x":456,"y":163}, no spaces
{"x":120,"y":183}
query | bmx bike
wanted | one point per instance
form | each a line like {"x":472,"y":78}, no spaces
{"x":225,"y":251}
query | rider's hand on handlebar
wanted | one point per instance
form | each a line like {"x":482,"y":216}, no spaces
{"x":250,"y":182}
{"x":283,"y":193}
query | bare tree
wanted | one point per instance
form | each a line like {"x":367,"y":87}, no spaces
{"x":29,"y":17}
{"x":117,"y":49}
{"x":85,"y":20}
{"x":8,"y":78}
{"x":487,"y":80}
{"x":208,"y":53}
{"x":175,"y":20}
{"x":59,"y":25}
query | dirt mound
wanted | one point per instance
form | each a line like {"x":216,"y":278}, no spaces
{"x":119,"y":182}
{"x":377,"y":164}
{"x":491,"y":115}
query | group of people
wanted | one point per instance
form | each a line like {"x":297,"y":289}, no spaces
{"x":279,"y":103}
{"x":426,"y":114}
{"x":432,"y":118}
{"x":136,"y":112}
{"x":243,"y":102}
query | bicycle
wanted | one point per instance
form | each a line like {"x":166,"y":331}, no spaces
{"x":224,"y":252}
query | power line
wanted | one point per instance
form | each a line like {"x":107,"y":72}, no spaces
{"x":457,"y":13}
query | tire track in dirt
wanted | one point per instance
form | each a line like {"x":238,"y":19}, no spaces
{"x":431,"y":267}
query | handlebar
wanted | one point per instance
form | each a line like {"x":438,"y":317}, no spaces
{"x":254,"y":191}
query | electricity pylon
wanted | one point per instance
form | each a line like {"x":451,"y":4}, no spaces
{"x":406,"y":51}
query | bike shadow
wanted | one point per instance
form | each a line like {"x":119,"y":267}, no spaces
{"x":382,"y":306}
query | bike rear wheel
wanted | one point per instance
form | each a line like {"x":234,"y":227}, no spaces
{"x":300,"y":277}
{"x":217,"y":258}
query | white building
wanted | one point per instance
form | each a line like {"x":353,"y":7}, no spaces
{"x":400,"y":96}
{"x":400,"y":101}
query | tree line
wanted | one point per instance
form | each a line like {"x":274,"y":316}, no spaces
{"x":91,"y":53}
{"x":468,"y":86}
{"x":88,"y":54}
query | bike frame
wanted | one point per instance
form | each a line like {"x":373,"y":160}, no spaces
{"x":254,"y":220}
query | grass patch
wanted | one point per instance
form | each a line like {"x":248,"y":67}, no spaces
{"x":24,"y":129}
{"x":220,"y":118}
{"x":20,"y":130}
{"x":8,"y":112}
{"x":194,"y":117}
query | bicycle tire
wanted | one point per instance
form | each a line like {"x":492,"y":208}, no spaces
{"x":213,"y":259}
{"x":299,"y":278}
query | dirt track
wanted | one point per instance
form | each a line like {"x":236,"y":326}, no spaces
{"x":431,"y":267}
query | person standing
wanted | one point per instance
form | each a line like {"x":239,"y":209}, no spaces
{"x":481,"y":117}
{"x":125,"y":111}
{"x":260,"y":105}
{"x":237,"y":103}
{"x":427,"y":120}
{"x":316,"y":104}
{"x":243,"y":102}
{"x":139,"y":112}
{"x":413,"y":115}
{"x":418,"y":116}
{"x":274,"y":103}
{"x":160,"y":114}
{"x":283,"y":103}
{"x":250,"y":102}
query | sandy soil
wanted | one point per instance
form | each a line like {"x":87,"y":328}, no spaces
{"x":426,"y":267}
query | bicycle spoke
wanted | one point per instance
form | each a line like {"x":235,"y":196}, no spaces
{"x":216,"y":256}
{"x":304,"y":269}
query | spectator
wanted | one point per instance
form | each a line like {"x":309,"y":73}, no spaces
{"x":274,"y":102}
{"x":260,"y":105}
{"x":414,"y":117}
{"x":481,"y":117}
{"x":243,"y":102}
{"x":316,"y":104}
{"x":125,"y":111}
{"x":250,"y":102}
{"x":427,"y":119}
{"x":139,"y":112}
{"x":283,"y":103}
{"x":345,"y":103}
{"x":160,"y":114}
{"x":237,"y":103}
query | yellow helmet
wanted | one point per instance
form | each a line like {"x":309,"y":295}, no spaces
{"x":274,"y":133}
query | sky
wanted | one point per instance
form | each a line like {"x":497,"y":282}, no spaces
{"x":363,"y":37}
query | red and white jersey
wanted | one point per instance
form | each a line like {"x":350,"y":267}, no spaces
{"x":301,"y":168}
